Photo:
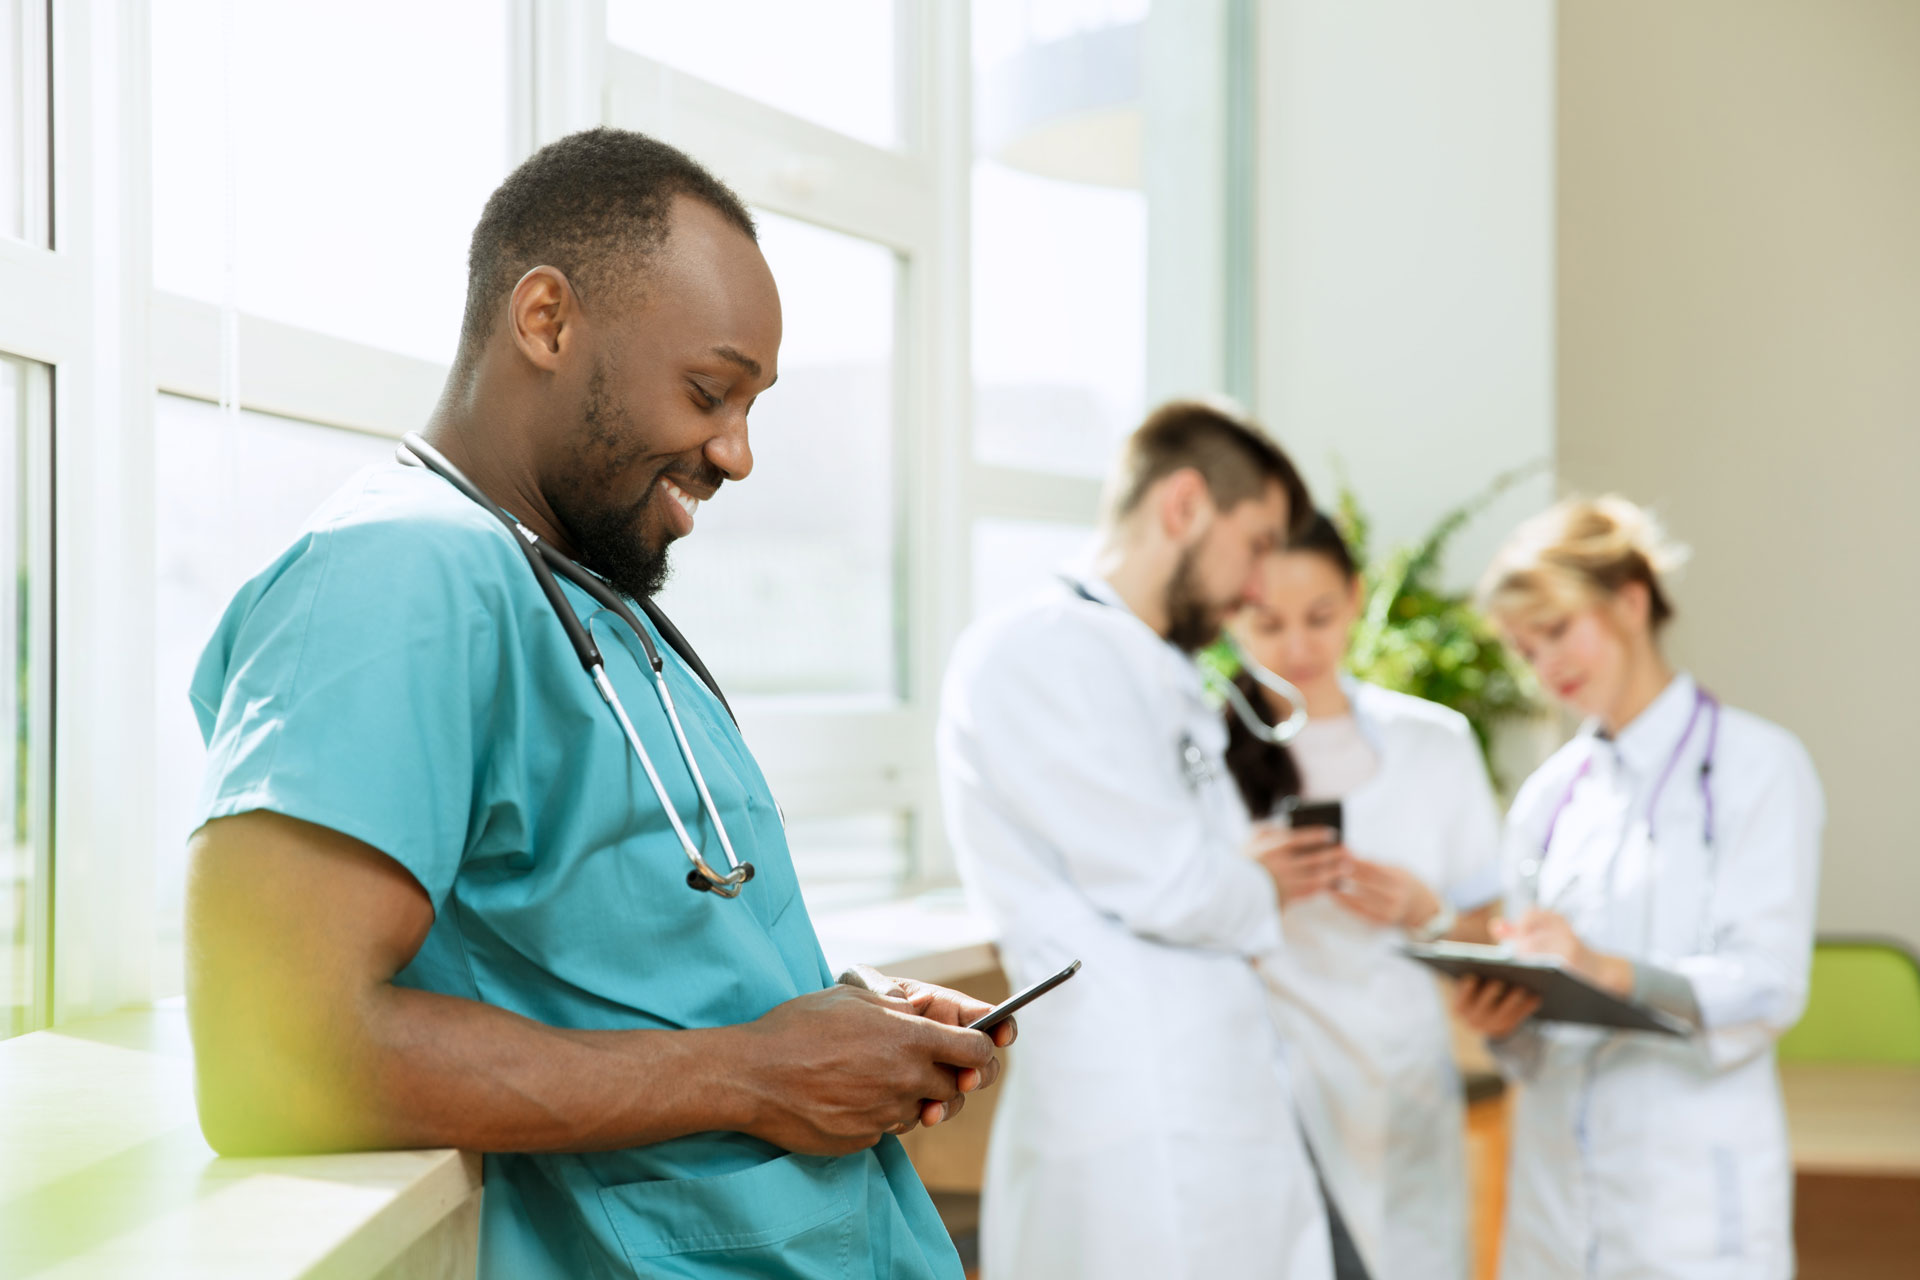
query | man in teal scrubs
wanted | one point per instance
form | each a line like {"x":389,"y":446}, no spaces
{"x":435,"y":901}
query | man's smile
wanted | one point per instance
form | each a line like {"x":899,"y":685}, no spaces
{"x":681,"y":508}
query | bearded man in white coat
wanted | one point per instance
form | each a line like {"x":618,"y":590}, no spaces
{"x":1147,"y":1128}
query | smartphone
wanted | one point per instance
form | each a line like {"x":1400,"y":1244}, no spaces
{"x":1020,"y":1000}
{"x":1319,"y":813}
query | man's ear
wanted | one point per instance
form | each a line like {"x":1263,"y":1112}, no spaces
{"x":1185,"y":505}
{"x":543,"y":312}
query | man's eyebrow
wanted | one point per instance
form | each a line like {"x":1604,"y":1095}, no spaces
{"x":733,"y":355}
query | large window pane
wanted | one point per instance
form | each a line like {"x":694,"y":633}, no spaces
{"x":23,"y":120}
{"x":1059,"y":234}
{"x":829,"y":61}
{"x":1013,"y":559}
{"x":23,"y":712}
{"x":230,"y":495}
{"x":786,"y":585}
{"x":335,"y":156}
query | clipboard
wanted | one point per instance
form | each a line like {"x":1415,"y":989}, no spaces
{"x":1564,"y":995}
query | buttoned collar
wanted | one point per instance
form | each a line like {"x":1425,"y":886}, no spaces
{"x":1363,"y":717}
{"x":1650,"y":738}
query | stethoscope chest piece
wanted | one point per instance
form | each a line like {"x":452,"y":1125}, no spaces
{"x":727,"y":886}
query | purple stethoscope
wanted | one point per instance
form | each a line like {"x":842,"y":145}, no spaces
{"x":1702,"y":702}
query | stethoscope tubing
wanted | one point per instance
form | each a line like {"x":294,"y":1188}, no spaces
{"x":545,"y":560}
{"x":1278,"y":735}
{"x":1703,"y":701}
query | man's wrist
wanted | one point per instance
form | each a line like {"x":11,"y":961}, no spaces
{"x":736,"y":1095}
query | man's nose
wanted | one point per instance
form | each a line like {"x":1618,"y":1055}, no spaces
{"x":1252,"y":590}
{"x":730,"y":451}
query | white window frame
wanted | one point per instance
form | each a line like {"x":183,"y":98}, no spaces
{"x":79,"y":308}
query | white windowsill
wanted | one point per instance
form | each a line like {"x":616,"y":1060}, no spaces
{"x":932,"y":936}
{"x":103,"y":1171}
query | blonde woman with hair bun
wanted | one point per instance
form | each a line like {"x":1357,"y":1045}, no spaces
{"x":1670,"y":854}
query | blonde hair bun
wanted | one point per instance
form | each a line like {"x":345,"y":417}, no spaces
{"x":1578,"y":551}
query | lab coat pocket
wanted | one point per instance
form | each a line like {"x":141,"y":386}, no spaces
{"x":794,"y":1214}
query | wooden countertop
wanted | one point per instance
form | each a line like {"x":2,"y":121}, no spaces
{"x":103,"y":1173}
{"x":1853,"y":1118}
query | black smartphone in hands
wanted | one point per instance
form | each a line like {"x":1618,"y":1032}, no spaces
{"x":1317,"y":813}
{"x":1020,"y":1000}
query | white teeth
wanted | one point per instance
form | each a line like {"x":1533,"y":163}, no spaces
{"x":688,"y":504}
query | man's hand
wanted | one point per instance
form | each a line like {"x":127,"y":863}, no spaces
{"x":304,"y":1043}
{"x":831,"y":1072}
{"x":949,"y":1008}
{"x":1303,"y":861}
{"x":1495,"y":1009}
{"x":1392,"y":896}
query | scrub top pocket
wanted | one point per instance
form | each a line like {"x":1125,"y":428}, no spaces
{"x":794,"y":1215}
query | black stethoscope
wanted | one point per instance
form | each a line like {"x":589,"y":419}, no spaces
{"x":545,"y":562}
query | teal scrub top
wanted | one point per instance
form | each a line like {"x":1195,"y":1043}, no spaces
{"x":398,"y":676}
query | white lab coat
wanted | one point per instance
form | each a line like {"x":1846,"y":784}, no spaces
{"x":1146,"y":1127}
{"x":1638,"y":1156}
{"x":1366,"y":1027}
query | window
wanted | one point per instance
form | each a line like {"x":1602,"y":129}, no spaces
{"x":314,"y":179}
{"x":231,"y":493}
{"x":788,"y":581}
{"x":828,"y":61}
{"x":1017,"y":558}
{"x":1059,"y":234}
{"x":850,"y":861}
{"x":24,"y":703}
{"x":308,"y":173}
{"x":23,"y":120}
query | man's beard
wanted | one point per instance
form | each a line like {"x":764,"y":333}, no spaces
{"x":1193,"y":622}
{"x":608,"y":533}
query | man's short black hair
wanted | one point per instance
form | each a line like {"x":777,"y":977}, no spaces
{"x":593,"y":204}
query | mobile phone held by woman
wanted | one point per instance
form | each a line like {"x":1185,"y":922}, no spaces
{"x":1316,"y":813}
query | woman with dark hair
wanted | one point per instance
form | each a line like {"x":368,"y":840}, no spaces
{"x":1415,"y":857}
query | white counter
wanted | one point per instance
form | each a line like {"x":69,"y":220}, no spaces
{"x":103,"y":1172}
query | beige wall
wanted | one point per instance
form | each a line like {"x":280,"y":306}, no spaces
{"x":1739,"y":345}
{"x":1404,"y":252}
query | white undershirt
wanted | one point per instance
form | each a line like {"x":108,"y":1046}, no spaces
{"x":1334,"y":758}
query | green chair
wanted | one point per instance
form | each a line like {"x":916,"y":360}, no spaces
{"x":1863,"y":1005}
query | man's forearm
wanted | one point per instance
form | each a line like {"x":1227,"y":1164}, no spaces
{"x":427,"y":1070}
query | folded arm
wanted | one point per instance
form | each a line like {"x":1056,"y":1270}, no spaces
{"x":303,"y":1042}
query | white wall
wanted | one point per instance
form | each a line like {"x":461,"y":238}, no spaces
{"x":1405,"y":252}
{"x":1739,"y":345}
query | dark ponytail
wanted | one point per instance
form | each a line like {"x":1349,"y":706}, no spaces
{"x":1267,"y":774}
